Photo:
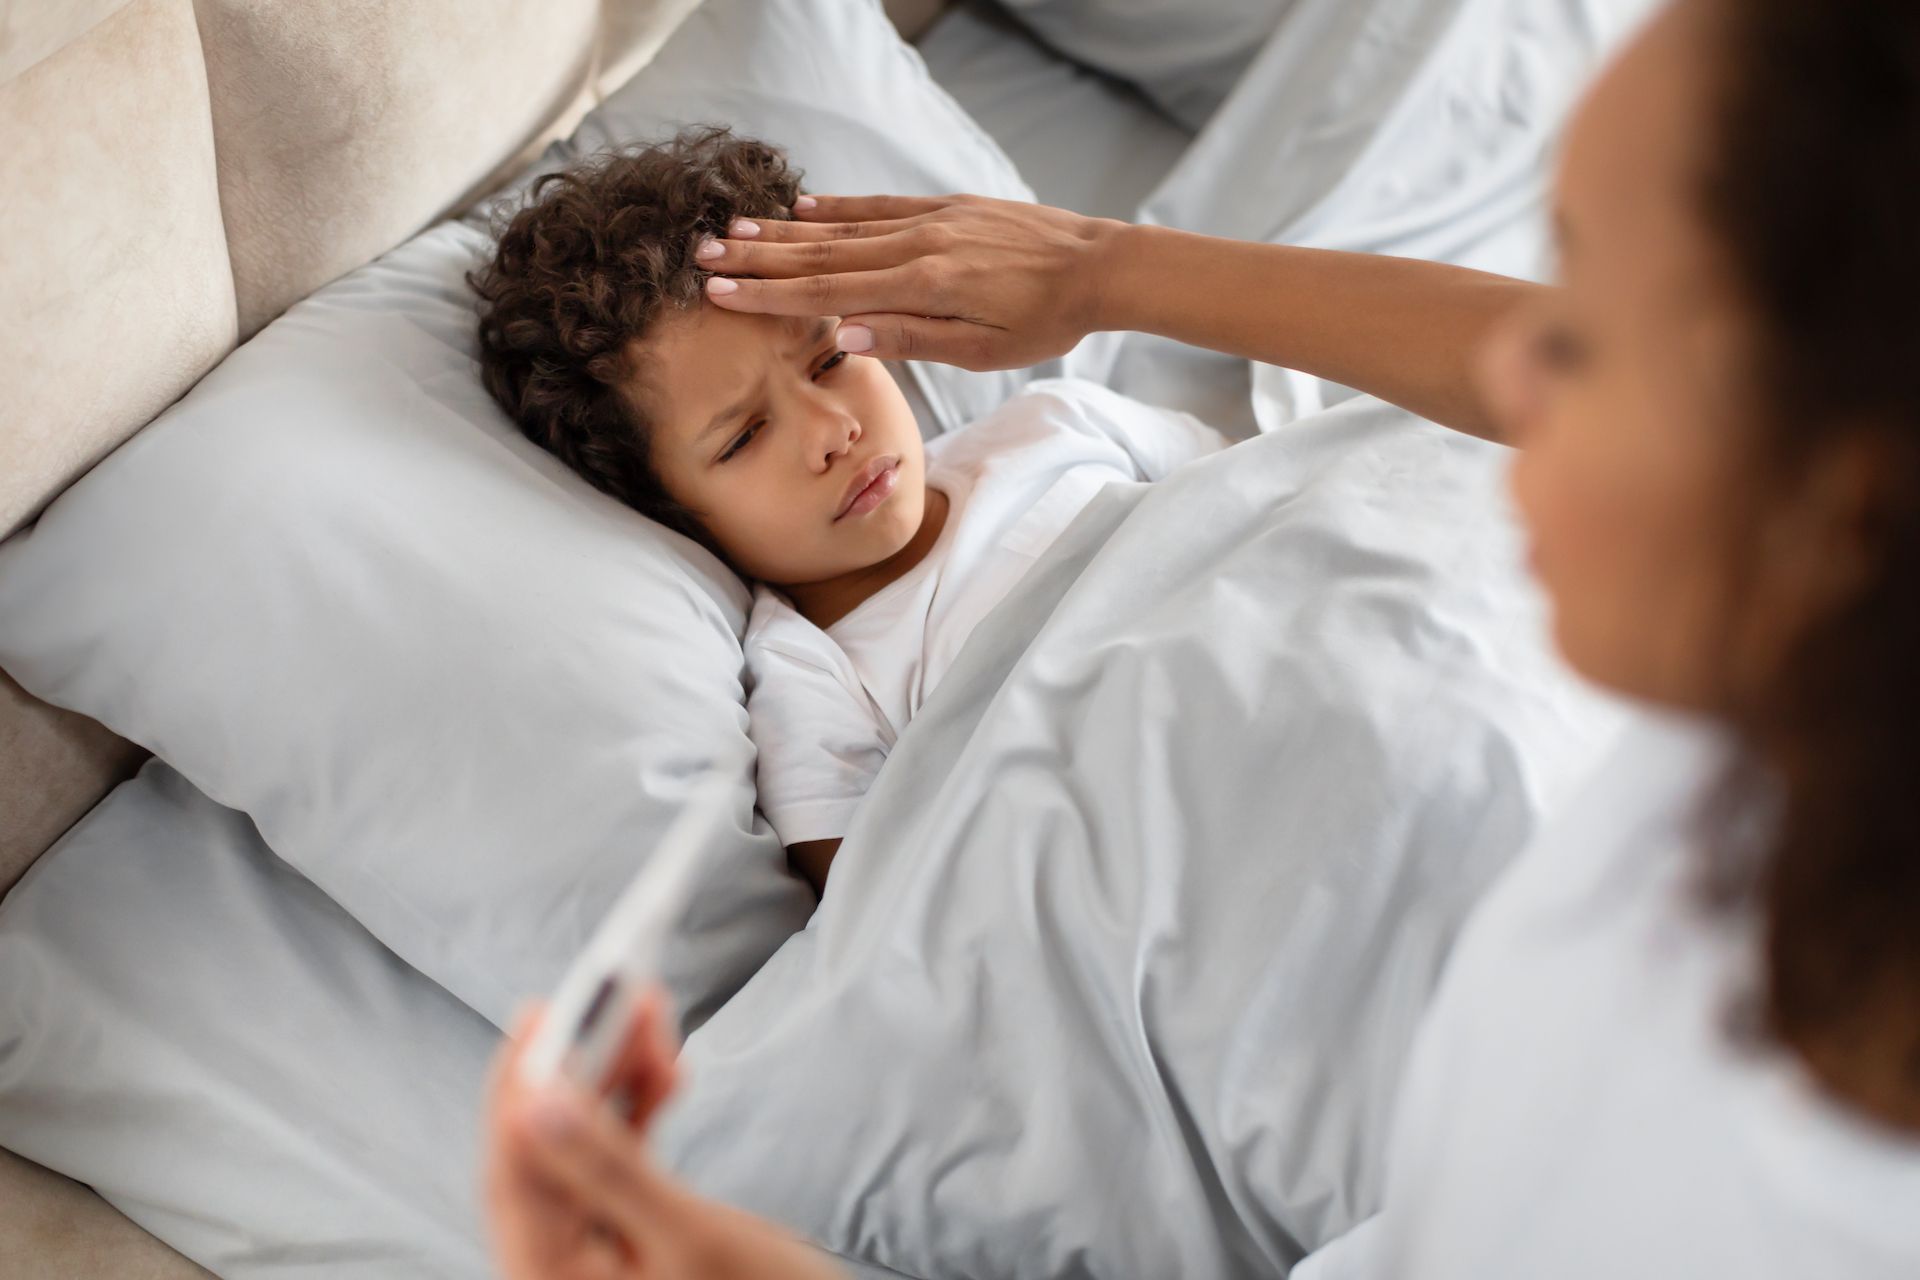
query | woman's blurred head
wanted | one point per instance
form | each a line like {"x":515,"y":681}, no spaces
{"x":1720,"y":472}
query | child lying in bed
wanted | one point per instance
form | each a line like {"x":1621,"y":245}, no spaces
{"x":798,"y":464}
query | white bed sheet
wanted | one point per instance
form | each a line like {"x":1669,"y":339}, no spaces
{"x":1082,"y":140}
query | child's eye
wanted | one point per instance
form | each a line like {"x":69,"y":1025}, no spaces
{"x":741,"y":441}
{"x":832,"y":362}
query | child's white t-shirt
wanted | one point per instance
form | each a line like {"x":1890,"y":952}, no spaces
{"x":826,"y":706}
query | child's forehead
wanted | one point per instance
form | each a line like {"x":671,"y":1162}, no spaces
{"x":696,"y":363}
{"x":706,"y":334}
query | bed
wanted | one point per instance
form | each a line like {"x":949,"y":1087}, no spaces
{"x":262,"y":1045}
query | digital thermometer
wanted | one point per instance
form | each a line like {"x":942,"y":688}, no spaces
{"x":592,"y":1011}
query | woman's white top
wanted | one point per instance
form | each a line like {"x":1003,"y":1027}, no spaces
{"x":1579,"y":1105}
{"x":826,"y":706}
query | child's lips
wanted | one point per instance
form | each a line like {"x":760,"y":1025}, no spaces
{"x":871,"y":486}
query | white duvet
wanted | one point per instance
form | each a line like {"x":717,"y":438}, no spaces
{"x":1122,"y":955}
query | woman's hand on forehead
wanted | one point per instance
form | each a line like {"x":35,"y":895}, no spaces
{"x":980,"y":283}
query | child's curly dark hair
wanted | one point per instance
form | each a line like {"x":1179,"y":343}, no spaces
{"x":586,"y":266}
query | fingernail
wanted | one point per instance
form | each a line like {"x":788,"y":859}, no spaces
{"x":709,"y":249}
{"x":854,"y":337}
{"x":555,"y":1115}
{"x":804,"y":203}
{"x":720,"y":286}
{"x":742,"y":229}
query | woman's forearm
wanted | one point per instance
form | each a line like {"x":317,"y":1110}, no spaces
{"x":1003,"y":284}
{"x":1401,"y":329}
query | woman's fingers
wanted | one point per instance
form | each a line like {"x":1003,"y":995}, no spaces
{"x":866,"y":208}
{"x":829,"y":295}
{"x":597,"y":1163}
{"x":537,"y":1231}
{"x":503,"y":1076}
{"x":572,"y":1195}
{"x":644,"y":1073}
{"x":646,"y":1070}
{"x":984,"y":284}
{"x":903,"y":337}
{"x":775,"y":231}
{"x":770,"y":260}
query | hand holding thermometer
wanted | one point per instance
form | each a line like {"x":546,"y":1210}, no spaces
{"x":593,"y":1010}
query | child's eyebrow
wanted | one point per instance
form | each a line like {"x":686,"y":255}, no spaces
{"x":817,"y":332}
{"x":726,"y":415}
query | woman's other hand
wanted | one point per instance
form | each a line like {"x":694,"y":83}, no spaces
{"x":571,"y":1193}
{"x":964,"y":280}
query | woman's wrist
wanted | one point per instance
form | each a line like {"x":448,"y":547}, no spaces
{"x":1141,"y":276}
{"x":1111,"y":284}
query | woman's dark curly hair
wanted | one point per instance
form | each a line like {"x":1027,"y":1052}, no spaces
{"x":1815,"y":195}
{"x":585,"y":268}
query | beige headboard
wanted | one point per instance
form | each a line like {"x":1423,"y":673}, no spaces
{"x":175,"y":173}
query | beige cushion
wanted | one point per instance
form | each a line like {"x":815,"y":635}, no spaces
{"x":54,"y":766}
{"x":117,"y":290}
{"x":913,"y":17}
{"x":631,"y":32}
{"x":52,"y":1228}
{"x":344,"y":127}
{"x":34,"y":29}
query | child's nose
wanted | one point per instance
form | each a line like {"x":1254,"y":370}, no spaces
{"x":837,"y":433}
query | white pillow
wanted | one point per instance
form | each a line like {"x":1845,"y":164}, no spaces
{"x":1186,"y":56}
{"x":454,"y":686}
{"x":216,"y":1047}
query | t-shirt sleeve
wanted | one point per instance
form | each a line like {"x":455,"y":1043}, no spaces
{"x":1156,"y":441}
{"x":819,"y":739}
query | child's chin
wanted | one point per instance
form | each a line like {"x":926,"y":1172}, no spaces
{"x":904,"y":515}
